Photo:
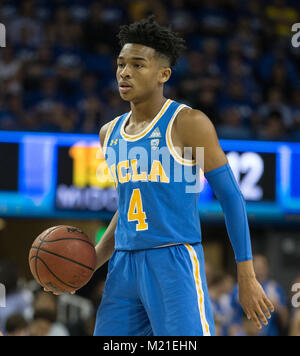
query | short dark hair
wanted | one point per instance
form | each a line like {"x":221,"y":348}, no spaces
{"x":275,"y":114}
{"x":149,"y":33}
{"x":15,"y":322}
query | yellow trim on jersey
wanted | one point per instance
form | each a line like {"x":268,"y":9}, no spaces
{"x":200,"y":294}
{"x":114,"y":174}
{"x":169,"y":141}
{"x":108,"y":133}
{"x":148,"y":128}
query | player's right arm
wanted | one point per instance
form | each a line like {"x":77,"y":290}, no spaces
{"x":106,"y":246}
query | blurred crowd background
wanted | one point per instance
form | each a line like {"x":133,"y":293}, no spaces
{"x":57,"y":74}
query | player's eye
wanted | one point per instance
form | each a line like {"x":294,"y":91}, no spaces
{"x":138,"y":66}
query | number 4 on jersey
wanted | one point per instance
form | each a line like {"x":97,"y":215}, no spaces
{"x":135,"y":211}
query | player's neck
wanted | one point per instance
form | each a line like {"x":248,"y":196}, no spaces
{"x":147,"y":109}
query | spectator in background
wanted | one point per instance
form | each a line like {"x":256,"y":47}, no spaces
{"x":255,"y":124}
{"x":68,"y":69}
{"x":56,"y":118}
{"x":234,"y":98}
{"x":278,"y":323}
{"x":91,"y":110}
{"x":96,"y":32}
{"x":275,"y":102}
{"x":47,"y":94}
{"x":16,"y":325}
{"x":246,"y":37}
{"x":27,"y":22}
{"x":37,"y":68}
{"x":211,"y":53}
{"x":49,"y":108}
{"x":219,"y":292}
{"x":10,"y":71}
{"x":18,"y":300}
{"x":61,"y":30}
{"x":191,"y":81}
{"x":43,"y":324}
{"x":273,"y":128}
{"x":7,"y":121}
{"x":44,"y":321}
{"x":114,"y":12}
{"x":276,"y":54}
{"x":239,"y":72}
{"x":232,"y":125}
{"x":13,"y":116}
{"x":214,"y":19}
{"x":280,"y":79}
{"x":295,"y":107}
{"x":249,"y":329}
{"x":180,"y":17}
{"x":90,"y":86}
{"x":206,"y":101}
{"x":255,"y":13}
{"x":198,"y":77}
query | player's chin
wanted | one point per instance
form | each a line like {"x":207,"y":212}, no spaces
{"x":127,"y":95}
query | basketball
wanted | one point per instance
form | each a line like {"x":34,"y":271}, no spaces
{"x":62,"y":259}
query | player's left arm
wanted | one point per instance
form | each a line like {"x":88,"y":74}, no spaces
{"x":196,"y":130}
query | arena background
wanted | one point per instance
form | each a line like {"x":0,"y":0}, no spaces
{"x":58,"y":87}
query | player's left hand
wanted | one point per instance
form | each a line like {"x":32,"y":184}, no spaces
{"x":254,"y":301}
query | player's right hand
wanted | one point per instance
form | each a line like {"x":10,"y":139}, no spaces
{"x":56,"y":292}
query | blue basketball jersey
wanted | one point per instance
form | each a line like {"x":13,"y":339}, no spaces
{"x":157,"y":206}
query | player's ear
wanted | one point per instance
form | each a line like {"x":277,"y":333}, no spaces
{"x":164,"y":75}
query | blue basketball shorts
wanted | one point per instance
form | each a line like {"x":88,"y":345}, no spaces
{"x":156,"y":292}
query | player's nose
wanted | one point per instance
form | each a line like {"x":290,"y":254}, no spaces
{"x":125,"y":72}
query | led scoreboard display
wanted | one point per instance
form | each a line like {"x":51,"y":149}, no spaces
{"x":10,"y":167}
{"x":82,"y":184}
{"x":54,"y":175}
{"x":65,"y":175}
{"x":255,"y":166}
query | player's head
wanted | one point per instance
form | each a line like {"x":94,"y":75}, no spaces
{"x":148,"y":52}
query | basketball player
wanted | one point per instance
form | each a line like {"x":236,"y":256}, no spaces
{"x":156,"y":283}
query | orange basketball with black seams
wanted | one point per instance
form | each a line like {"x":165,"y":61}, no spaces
{"x":62,"y":258}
